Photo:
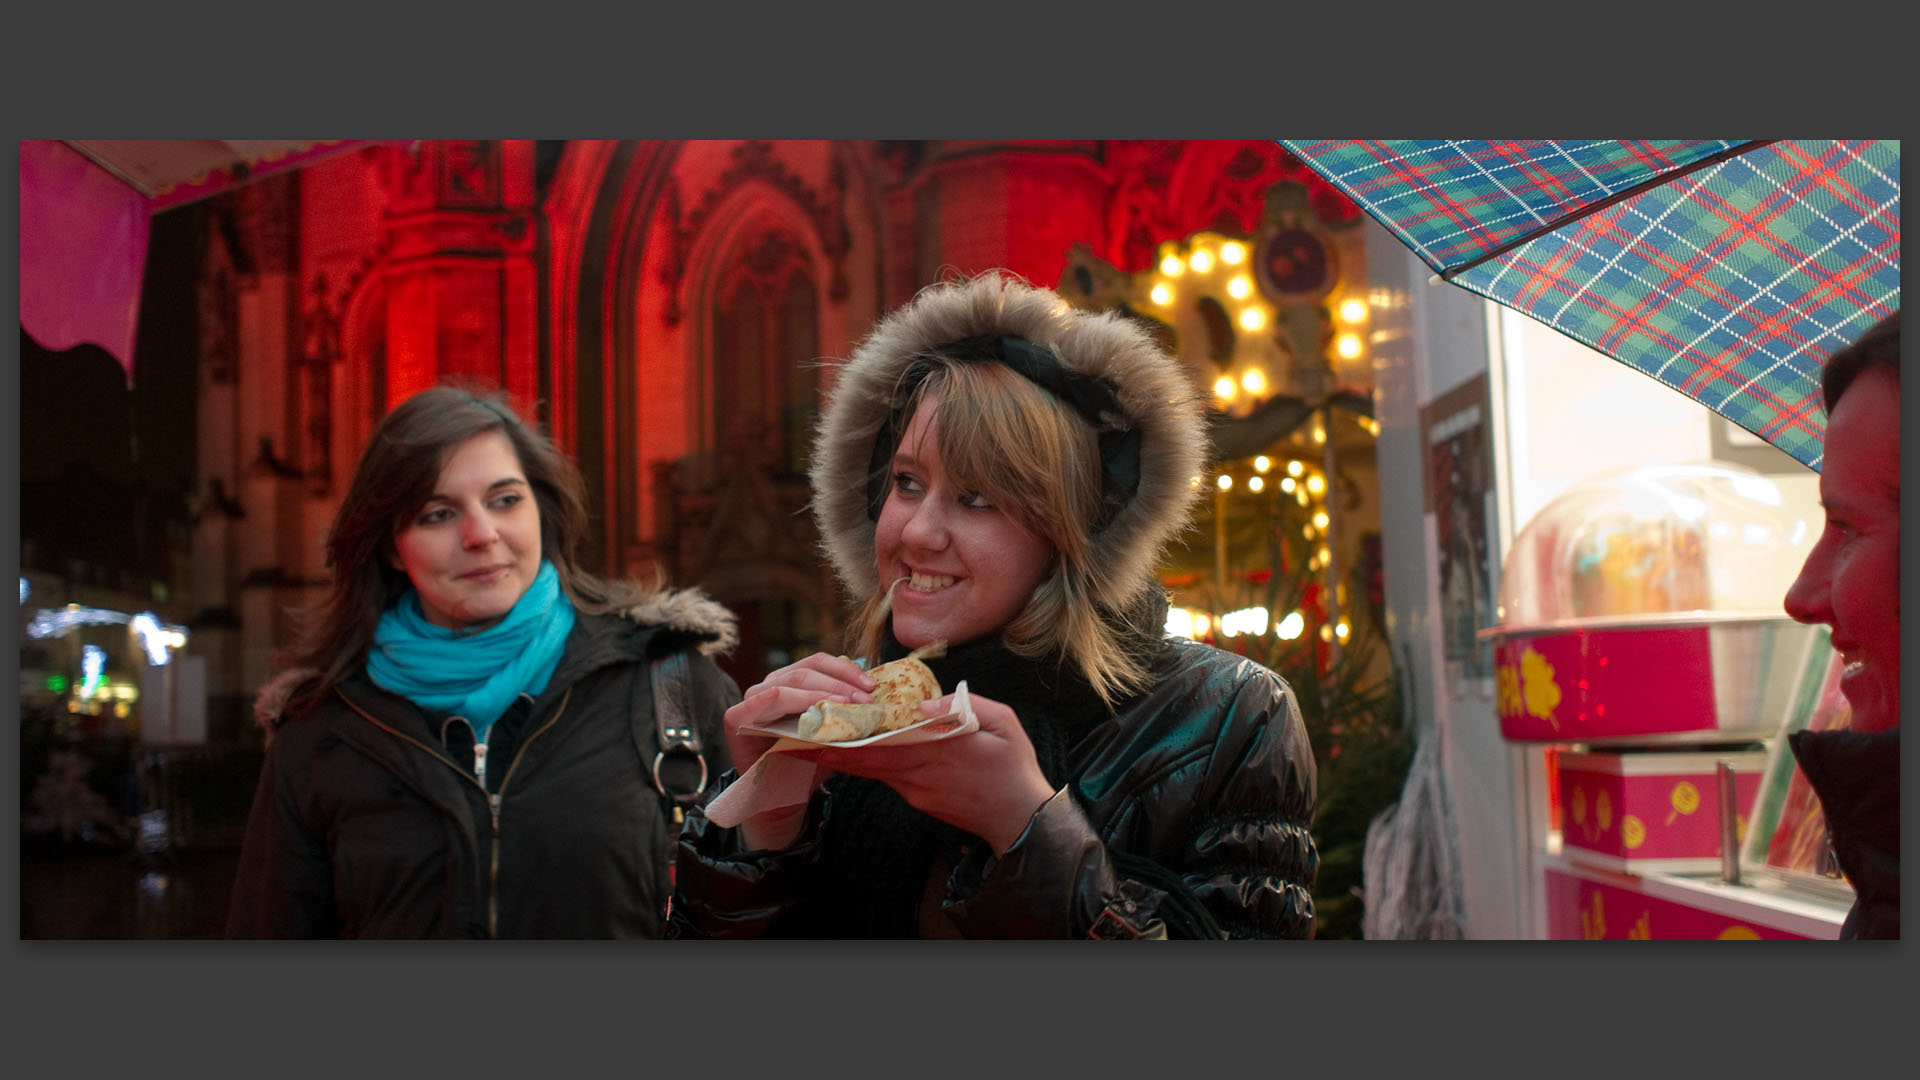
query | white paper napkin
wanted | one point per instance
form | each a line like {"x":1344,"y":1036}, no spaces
{"x":779,"y":779}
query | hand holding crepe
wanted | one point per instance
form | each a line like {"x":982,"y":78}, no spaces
{"x":899,"y":688}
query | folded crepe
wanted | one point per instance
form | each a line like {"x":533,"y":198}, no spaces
{"x":899,"y":688}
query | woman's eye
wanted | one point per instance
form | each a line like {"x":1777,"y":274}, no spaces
{"x":973,"y":500}
{"x":434,"y":516}
{"x":508,"y":501}
{"x":906,"y":483}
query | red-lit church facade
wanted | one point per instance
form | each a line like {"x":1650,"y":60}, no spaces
{"x":660,"y":305}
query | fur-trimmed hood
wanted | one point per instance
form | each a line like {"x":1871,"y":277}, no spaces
{"x":688,"y":611}
{"x":1157,"y":394}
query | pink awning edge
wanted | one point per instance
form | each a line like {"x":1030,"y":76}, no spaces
{"x":83,"y":248}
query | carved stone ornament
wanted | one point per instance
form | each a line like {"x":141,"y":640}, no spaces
{"x":755,"y":160}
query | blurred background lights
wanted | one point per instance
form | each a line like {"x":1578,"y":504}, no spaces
{"x":1252,"y":319}
{"x":1240,"y":287}
{"x":1254,"y":483}
{"x":1250,"y":621}
{"x":1262,"y":463}
{"x":93,"y":667}
{"x":1292,"y":626}
{"x":1232,"y":252}
{"x":1294,"y":468}
{"x":1224,"y":481}
{"x":1162,"y":295}
{"x":1254,"y":381}
{"x":1202,"y":261}
{"x":1348,"y":345}
{"x":1223,"y":387}
{"x":1353,"y":311}
{"x":1172,"y":266}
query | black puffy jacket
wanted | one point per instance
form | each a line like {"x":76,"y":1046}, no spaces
{"x":1856,"y":774}
{"x":1207,"y":779}
{"x":365,"y":824}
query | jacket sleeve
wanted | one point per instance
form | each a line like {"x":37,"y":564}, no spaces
{"x":1223,"y":822}
{"x":283,"y":887}
{"x":721,"y":891}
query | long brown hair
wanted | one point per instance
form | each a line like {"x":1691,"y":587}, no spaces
{"x":397,"y":473}
{"x":1038,"y":461}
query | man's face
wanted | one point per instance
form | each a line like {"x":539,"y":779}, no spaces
{"x":1851,"y":580}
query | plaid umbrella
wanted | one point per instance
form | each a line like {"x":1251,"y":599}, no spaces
{"x":1726,"y":269}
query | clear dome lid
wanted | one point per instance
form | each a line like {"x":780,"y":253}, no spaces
{"x":1656,"y":543}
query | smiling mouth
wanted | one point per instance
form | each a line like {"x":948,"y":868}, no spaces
{"x":483,"y":575}
{"x":928,"y":583}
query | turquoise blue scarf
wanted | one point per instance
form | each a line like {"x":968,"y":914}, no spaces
{"x":473,"y":675}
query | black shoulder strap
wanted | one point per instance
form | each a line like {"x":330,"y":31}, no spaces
{"x":679,"y":768}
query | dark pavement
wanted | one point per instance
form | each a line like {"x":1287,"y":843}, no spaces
{"x":74,"y":891}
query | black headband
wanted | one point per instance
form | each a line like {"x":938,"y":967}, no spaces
{"x":1095,"y":399}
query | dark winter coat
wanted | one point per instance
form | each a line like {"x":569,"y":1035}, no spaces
{"x":1204,"y":785}
{"x":366,"y":824}
{"x":1856,"y":774}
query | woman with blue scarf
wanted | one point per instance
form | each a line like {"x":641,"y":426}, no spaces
{"x":465,"y":743}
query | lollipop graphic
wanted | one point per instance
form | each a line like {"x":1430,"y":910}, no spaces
{"x":1633,"y":832}
{"x":1685,"y":799}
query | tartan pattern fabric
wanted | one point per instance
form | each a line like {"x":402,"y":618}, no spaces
{"x":1731,"y":283}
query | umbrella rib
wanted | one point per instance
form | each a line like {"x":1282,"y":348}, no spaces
{"x":1594,"y":208}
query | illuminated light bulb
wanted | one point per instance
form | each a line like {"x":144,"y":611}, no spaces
{"x":1307,"y":531}
{"x":1326,"y":632}
{"x":1319,"y":434}
{"x":1172,"y":266}
{"x":1347,"y":345}
{"x":1254,"y":381}
{"x":1316,"y":483}
{"x":1353,"y":311}
{"x":1252,"y":319}
{"x":1291,"y":627}
{"x":1340,"y":630}
{"x":1232,"y":252}
{"x":1223,"y":388}
{"x":1287,"y":485}
{"x":1326,"y":557}
{"x":1301,"y":495}
{"x":1320,"y":519}
{"x":1262,"y":463}
{"x":1161,"y":294}
{"x":1201,"y":261}
{"x":1179,"y":622}
{"x":1225,"y":482}
{"x":1294,"y":468}
{"x":1240,"y":287}
{"x":1255,"y":484}
{"x":1201,"y":624}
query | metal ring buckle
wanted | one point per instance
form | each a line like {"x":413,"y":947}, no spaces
{"x":662,"y":788}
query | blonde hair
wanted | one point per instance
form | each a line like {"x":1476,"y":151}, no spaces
{"x":1037,"y":460}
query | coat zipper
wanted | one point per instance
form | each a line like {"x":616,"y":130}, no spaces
{"x":478,"y":779}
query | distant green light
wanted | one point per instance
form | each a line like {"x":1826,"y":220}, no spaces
{"x":57,"y":683}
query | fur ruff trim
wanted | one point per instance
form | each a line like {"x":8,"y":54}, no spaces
{"x":1155,"y":390}
{"x":689,"y":611}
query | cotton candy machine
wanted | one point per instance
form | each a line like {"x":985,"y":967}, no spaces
{"x":1644,"y":606}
